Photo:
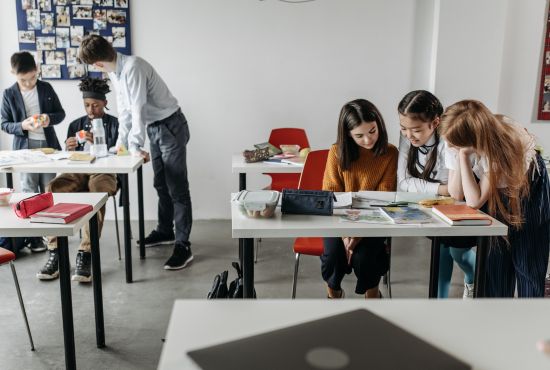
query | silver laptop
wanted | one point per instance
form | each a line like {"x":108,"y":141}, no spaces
{"x":354,"y":340}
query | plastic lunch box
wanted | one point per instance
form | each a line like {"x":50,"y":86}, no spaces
{"x":261,"y":203}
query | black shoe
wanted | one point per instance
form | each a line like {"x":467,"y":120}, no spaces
{"x":50,"y":270}
{"x":82,"y":272}
{"x":180,"y":258}
{"x":37,"y":245}
{"x":156,"y":238}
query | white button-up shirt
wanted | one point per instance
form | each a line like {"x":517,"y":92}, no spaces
{"x":142,"y":98}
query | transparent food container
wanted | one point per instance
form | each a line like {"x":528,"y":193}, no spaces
{"x":258,"y":204}
{"x":5,"y":195}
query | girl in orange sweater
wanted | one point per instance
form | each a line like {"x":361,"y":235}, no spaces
{"x":362,"y":159}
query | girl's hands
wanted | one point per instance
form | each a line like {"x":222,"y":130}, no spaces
{"x":349,"y":244}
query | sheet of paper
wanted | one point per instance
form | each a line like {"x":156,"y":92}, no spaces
{"x":343,"y":200}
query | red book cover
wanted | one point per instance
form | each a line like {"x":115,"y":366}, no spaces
{"x":461,"y":214}
{"x":61,"y":213}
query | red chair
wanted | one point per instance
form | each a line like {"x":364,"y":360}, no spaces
{"x":279,"y":136}
{"x":5,"y":257}
{"x":312,"y":179}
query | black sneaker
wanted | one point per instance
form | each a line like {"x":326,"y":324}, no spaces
{"x":156,"y":238}
{"x":37,"y":245}
{"x":82,"y":272}
{"x":50,"y":270}
{"x":180,"y":258}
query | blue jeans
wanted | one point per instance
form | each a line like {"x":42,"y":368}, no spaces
{"x":465,"y":258}
{"x":35,"y":182}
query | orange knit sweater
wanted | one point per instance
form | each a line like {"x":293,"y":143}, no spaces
{"x":368,"y":172}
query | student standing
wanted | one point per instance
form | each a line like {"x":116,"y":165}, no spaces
{"x":146,"y":104}
{"x":95,"y":101}
{"x":362,"y":159}
{"x":514,"y":188}
{"x":26,"y":98}
{"x":422,"y":169}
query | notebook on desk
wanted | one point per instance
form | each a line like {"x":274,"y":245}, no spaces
{"x":353,"y":340}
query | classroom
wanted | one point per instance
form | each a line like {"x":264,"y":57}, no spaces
{"x":235,"y":182}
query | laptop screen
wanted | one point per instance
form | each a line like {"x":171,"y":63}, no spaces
{"x":353,"y":340}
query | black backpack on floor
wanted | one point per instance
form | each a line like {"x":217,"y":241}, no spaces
{"x":220,"y":290}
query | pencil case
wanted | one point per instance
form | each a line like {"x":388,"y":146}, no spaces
{"x":28,"y":206}
{"x":307,"y":202}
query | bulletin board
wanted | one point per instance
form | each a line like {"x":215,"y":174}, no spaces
{"x":52,"y":31}
{"x":543,"y":110}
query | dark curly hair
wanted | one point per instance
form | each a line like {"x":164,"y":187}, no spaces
{"x":95,"y":88}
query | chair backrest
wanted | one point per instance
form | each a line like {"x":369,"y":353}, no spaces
{"x":314,"y":170}
{"x":283,"y":136}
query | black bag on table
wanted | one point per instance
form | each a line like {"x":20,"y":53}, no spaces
{"x":307,"y":202}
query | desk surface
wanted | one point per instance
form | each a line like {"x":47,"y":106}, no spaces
{"x":238,"y":165}
{"x":488,"y":334}
{"x":12,"y":226}
{"x":293,"y":226}
{"x":110,"y":164}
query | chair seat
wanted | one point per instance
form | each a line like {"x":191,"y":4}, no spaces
{"x":310,"y":246}
{"x":6,"y":256}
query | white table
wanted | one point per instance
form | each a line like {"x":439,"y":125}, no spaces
{"x":238,"y":165}
{"x":293,"y":226}
{"x":487,"y":334}
{"x":12,"y":226}
{"x":121,"y":165}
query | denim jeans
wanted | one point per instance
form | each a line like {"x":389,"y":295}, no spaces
{"x":35,"y":182}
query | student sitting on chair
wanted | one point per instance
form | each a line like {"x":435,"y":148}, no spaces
{"x":362,"y":159}
{"x":95,"y":101}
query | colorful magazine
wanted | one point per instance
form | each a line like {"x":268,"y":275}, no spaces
{"x":406,"y":215}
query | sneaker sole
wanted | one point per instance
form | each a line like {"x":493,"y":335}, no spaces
{"x":166,"y":267}
{"x":165,"y":242}
{"x":47,"y":277}
{"x":81,"y":279}
{"x":36,"y":250}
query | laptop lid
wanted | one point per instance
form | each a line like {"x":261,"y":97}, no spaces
{"x":354,"y":340}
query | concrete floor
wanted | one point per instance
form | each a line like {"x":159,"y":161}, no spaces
{"x":137,"y":315}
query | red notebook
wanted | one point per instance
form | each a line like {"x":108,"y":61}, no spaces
{"x":61,"y":213}
{"x":461,"y":215}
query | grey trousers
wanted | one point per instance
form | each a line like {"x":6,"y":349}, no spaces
{"x":168,"y":139}
{"x":35,"y":182}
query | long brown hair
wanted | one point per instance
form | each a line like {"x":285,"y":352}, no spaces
{"x":353,"y":114}
{"x":469,"y":123}
{"x":421,"y":105}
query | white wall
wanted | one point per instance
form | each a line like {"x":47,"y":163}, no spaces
{"x":242,"y":67}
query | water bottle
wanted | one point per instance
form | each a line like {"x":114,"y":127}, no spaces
{"x":99,"y":149}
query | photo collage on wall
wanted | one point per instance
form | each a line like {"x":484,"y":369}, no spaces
{"x":543,"y":111}
{"x":52,"y":31}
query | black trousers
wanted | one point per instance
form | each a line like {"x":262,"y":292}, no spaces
{"x":168,"y":139}
{"x":369,"y":262}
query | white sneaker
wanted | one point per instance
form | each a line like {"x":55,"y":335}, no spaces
{"x":468,"y":291}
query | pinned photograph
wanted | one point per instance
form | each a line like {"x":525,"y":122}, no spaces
{"x":28,"y":4}
{"x":546,"y":105}
{"x":33,"y":19}
{"x":45,"y":5}
{"x":45,"y":43}
{"x":547,"y":84}
{"x":37,"y":55}
{"x":61,"y":2}
{"x":77,"y":70}
{"x":100,"y":19}
{"x":116,"y":16}
{"x":72,"y":56}
{"x":86,"y":2}
{"x":55,"y":57}
{"x":63,"y":19}
{"x":119,"y":37}
{"x":103,"y":2}
{"x":27,"y":37}
{"x":82,"y":12}
{"x":121,"y":3}
{"x":77,"y":34}
{"x":547,"y":55}
{"x":51,"y":71}
{"x":46,"y":20}
{"x":62,"y":38}
{"x":109,"y":39}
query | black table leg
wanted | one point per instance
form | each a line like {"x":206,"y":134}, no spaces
{"x":434,"y":268}
{"x":9,"y":180}
{"x":96,"y":276}
{"x":481,"y":261}
{"x":141,"y":217}
{"x":66,"y":301}
{"x":127,"y":231}
{"x":248,"y":267}
{"x":242,"y":186}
